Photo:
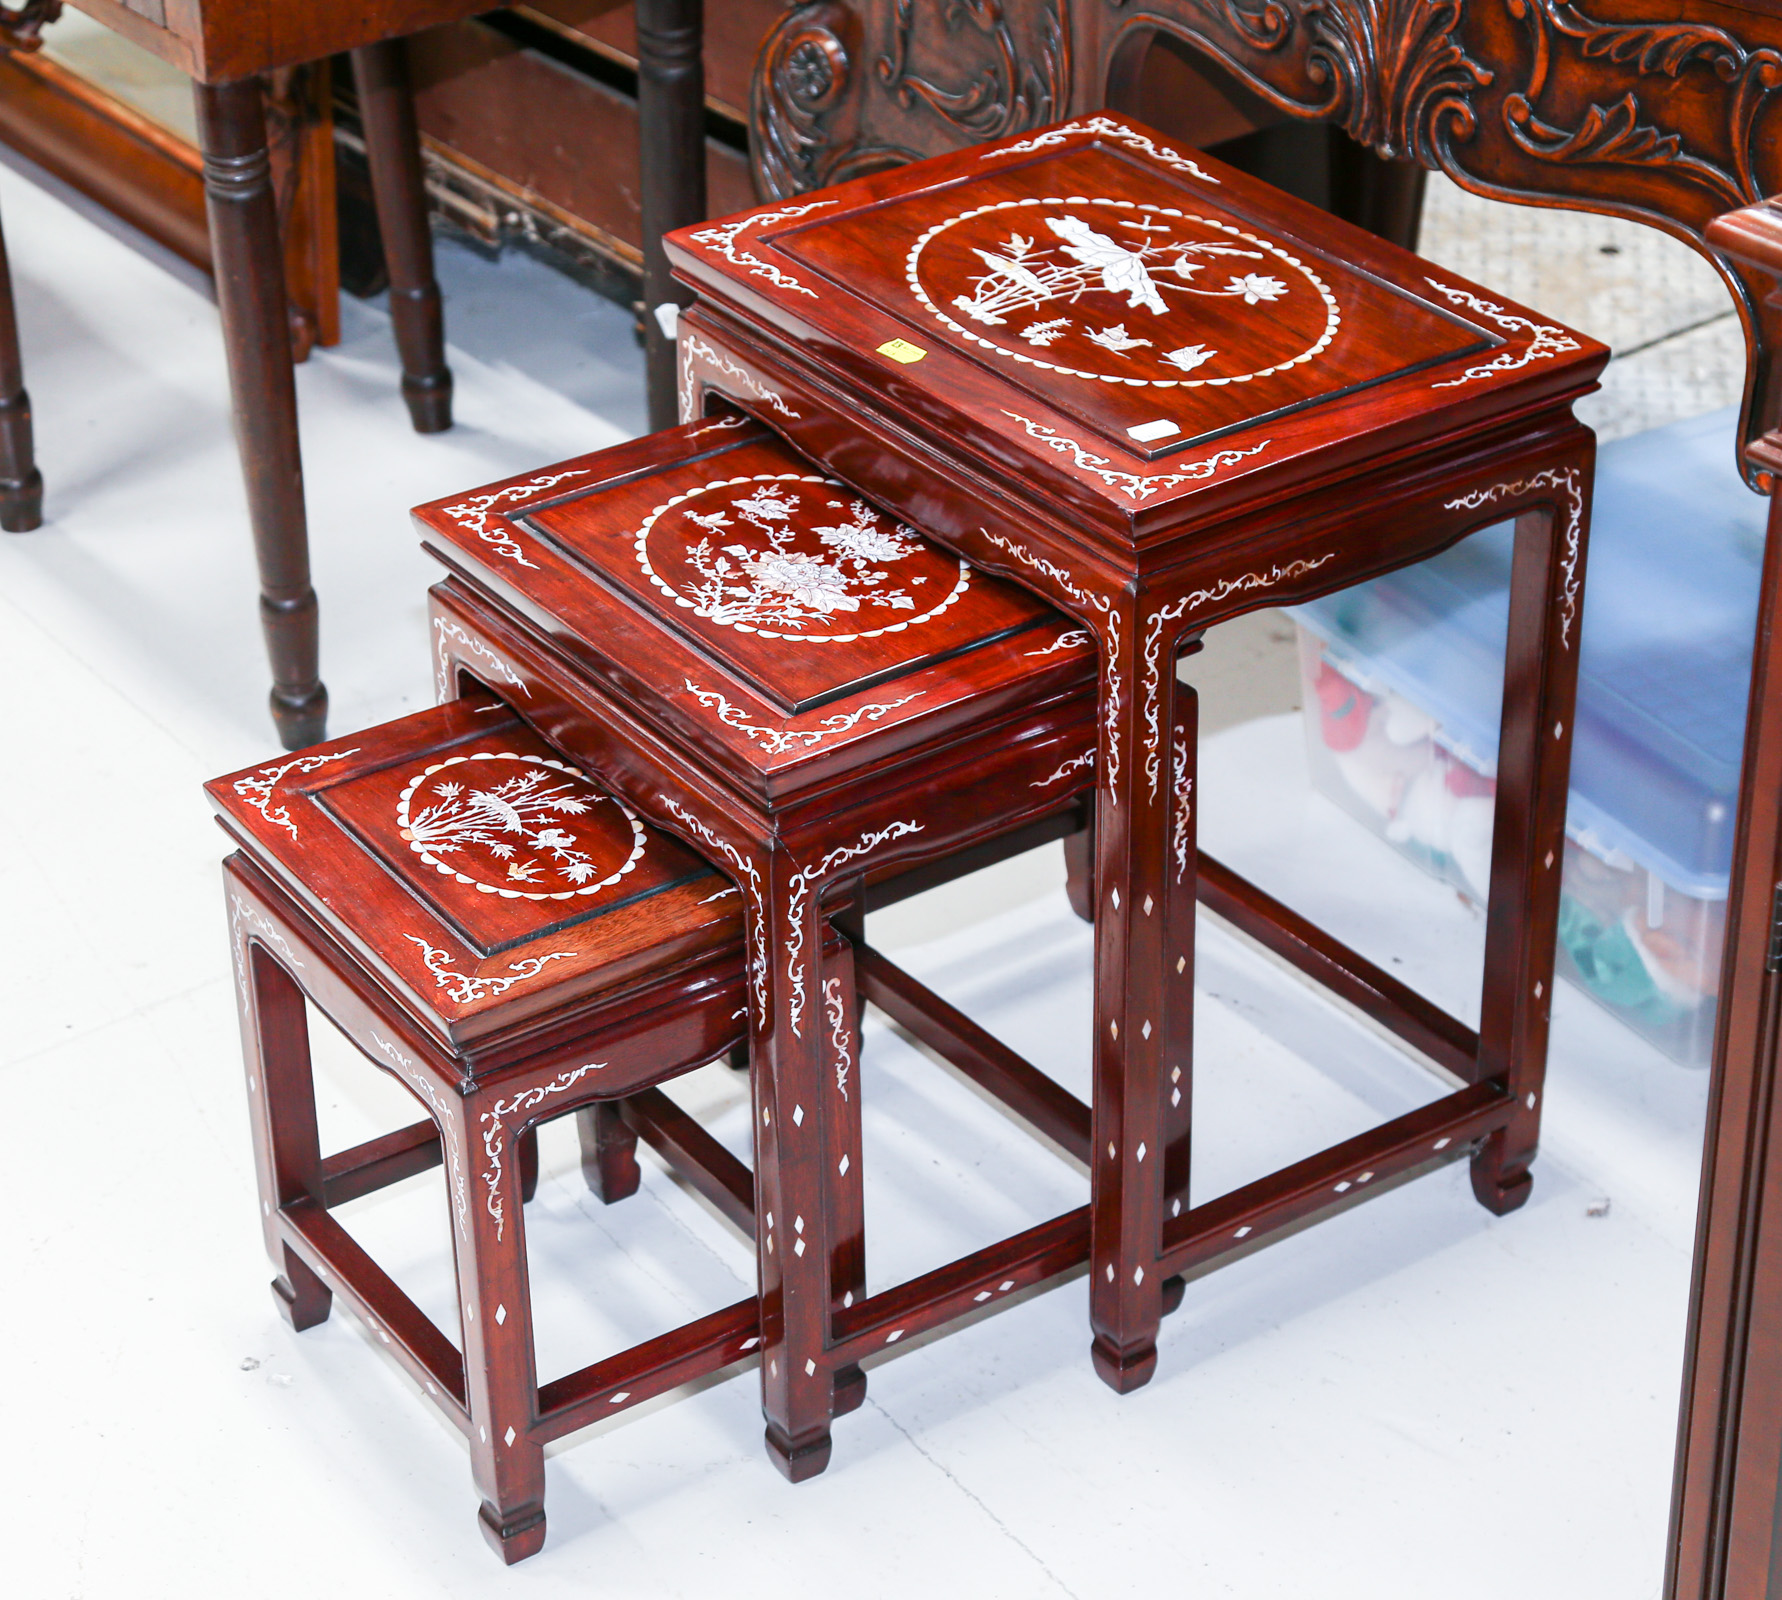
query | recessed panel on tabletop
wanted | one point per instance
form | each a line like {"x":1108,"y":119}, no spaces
{"x":504,"y":841}
{"x":1129,"y":296}
{"x":801,"y":589}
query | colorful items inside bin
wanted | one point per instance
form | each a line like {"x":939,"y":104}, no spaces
{"x":1403,"y":686}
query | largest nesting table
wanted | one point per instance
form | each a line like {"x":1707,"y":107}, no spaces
{"x":1159,"y":394}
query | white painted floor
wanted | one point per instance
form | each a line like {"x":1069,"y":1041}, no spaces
{"x":1413,"y":1400}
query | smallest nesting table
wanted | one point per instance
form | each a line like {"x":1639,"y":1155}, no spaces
{"x":511,"y":944}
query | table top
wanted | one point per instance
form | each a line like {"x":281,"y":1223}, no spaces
{"x":482,"y":875}
{"x":1141,"y":332}
{"x":780,"y":626}
{"x":216,"y":41}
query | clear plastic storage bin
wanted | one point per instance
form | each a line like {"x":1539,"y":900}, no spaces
{"x":1403,"y":683}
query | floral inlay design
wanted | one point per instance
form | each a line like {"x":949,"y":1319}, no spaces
{"x":777,"y":741}
{"x":693,"y":348}
{"x":1070,"y":639}
{"x":443,"y":1119}
{"x":839,"y":1037}
{"x":1086,"y":600}
{"x":799,"y":888}
{"x":1135,"y":485}
{"x":748,"y":876}
{"x":1566,"y":478}
{"x":1076,"y":763}
{"x":260,"y":788}
{"x":446,"y":632}
{"x":473,"y":514}
{"x":494,"y":1125}
{"x":256,"y":922}
{"x":725,"y":241}
{"x":1223,"y":589}
{"x":1120,"y":291}
{"x":511,"y":825}
{"x":783,"y":555}
{"x":1544,"y":342}
{"x":1105,"y":128}
{"x":1182,"y":832}
{"x":463,"y":988}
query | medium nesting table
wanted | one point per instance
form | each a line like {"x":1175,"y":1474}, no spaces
{"x":1159,"y":393}
{"x":827,"y":707}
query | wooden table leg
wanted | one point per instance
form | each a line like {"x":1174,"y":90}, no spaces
{"x":671,"y":119}
{"x":250,"y":279}
{"x":1528,"y":830}
{"x":21,"y":485}
{"x":393,"y":147}
{"x":795,"y":1244}
{"x":1133,"y":911}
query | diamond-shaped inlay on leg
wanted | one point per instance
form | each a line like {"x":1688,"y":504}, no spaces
{"x":1140,"y":1152}
{"x":1116,"y":898}
{"x":798,"y":1248}
{"x":810,"y":1369}
{"x":1145,"y":1031}
{"x":1147,"y":905}
{"x":500,"y":1315}
{"x":798,"y":1116}
{"x":509,"y":1436}
{"x":843,"y":1167}
{"x":798,"y":1224}
{"x":1138,"y":1275}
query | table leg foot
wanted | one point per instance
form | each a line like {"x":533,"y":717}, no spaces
{"x":21,"y":502}
{"x":513,"y":1538}
{"x":804,"y":1459}
{"x":301,"y":719}
{"x":850,"y":1389}
{"x":609,"y":1152}
{"x":1124,"y":1371}
{"x":429,"y":397}
{"x":302,"y":1298}
{"x":1497,"y":1191}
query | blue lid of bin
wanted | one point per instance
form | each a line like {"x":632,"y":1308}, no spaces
{"x":1670,"y":608}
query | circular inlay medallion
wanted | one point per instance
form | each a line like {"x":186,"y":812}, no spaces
{"x":1122,"y":292}
{"x":522,"y":827}
{"x":789,"y":556}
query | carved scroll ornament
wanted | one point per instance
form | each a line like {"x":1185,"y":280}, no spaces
{"x":841,"y":90}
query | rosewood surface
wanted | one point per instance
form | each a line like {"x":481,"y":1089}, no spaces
{"x":1318,"y":407}
{"x":511,"y":944}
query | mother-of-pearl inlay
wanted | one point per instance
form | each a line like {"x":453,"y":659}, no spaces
{"x":512,"y":825}
{"x":793,"y":556}
{"x":1119,"y":291}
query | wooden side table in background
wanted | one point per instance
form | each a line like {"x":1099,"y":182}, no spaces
{"x":228,"y":47}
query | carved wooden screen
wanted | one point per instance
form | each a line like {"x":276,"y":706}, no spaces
{"x":1609,"y":105}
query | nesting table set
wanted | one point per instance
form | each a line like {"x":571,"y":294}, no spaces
{"x":971,"y":452}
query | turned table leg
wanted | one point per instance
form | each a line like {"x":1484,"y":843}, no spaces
{"x":671,"y":118}
{"x":21,"y":485}
{"x":393,"y":147}
{"x":250,"y":278}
